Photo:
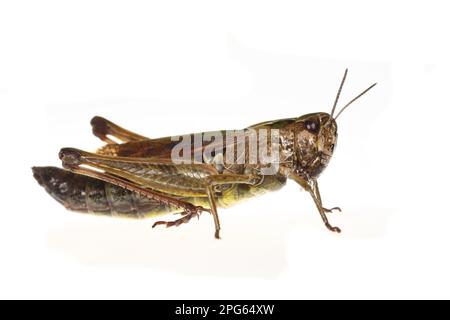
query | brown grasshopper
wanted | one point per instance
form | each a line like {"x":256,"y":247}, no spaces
{"x":138,"y":177}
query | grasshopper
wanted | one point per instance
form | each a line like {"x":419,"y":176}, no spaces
{"x":136,"y":176}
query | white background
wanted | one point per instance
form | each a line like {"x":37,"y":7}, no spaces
{"x":176,"y":67}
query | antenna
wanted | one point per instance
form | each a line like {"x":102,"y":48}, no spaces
{"x":353,"y":100}
{"x":339,"y":93}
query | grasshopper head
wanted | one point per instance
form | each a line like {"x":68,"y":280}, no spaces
{"x":316,"y":138}
{"x":315,"y":141}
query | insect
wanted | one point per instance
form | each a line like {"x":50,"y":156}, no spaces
{"x":136,"y":176}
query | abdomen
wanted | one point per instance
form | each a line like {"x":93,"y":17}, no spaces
{"x":85,"y":194}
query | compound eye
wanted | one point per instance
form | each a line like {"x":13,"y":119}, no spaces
{"x":312,"y":126}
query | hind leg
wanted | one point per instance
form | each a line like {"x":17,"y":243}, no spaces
{"x":73,"y":162}
{"x":103,"y":128}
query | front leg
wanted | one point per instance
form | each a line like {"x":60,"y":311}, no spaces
{"x":313,"y":188}
{"x":317,"y":193}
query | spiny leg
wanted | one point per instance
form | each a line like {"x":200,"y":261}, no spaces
{"x":71,"y":161}
{"x":72,"y":158}
{"x":122,"y":171}
{"x":102,"y":128}
{"x":157,"y":174}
